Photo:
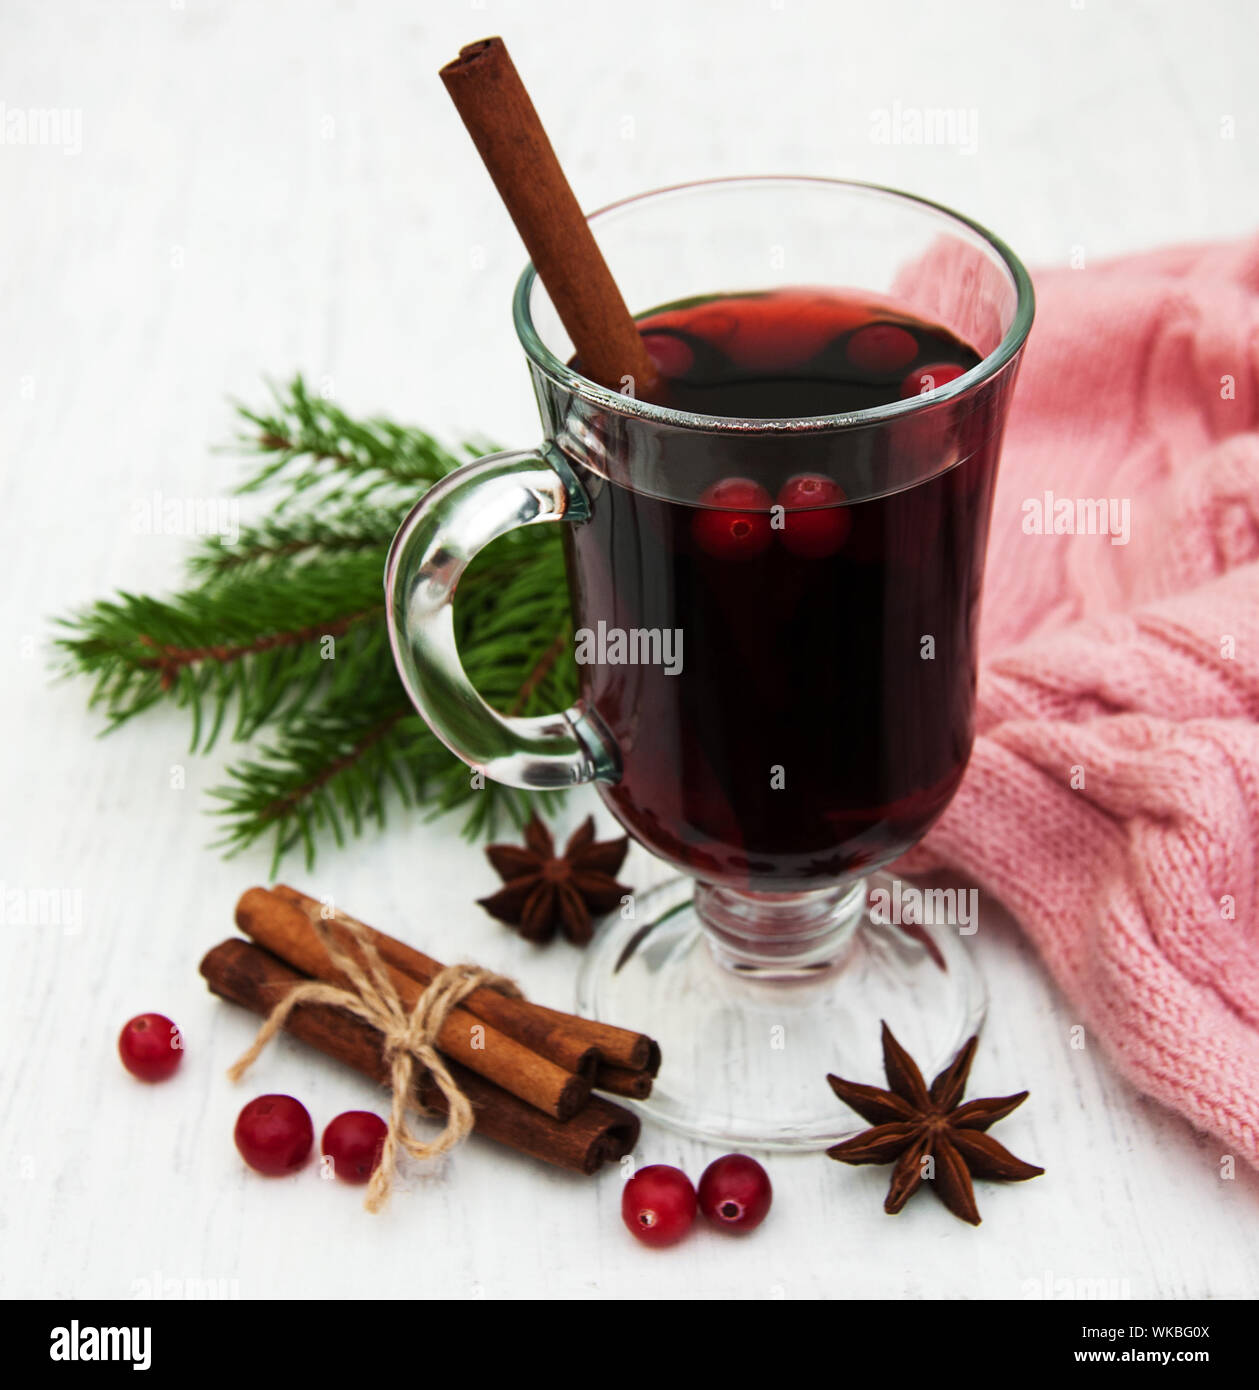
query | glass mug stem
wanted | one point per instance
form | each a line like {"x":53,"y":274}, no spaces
{"x":781,"y":935}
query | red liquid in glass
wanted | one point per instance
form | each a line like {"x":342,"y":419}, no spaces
{"x":822,"y":716}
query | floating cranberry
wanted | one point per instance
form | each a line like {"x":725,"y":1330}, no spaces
{"x":150,"y":1047}
{"x":716,"y":326}
{"x":733,"y":523}
{"x":672,"y":355}
{"x":930,"y":378}
{"x":814,"y":524}
{"x":787,"y":328}
{"x":354,"y":1141}
{"x":810,"y":490}
{"x":880,"y":348}
{"x":735,"y":1192}
{"x":658,"y":1204}
{"x":274,"y":1134}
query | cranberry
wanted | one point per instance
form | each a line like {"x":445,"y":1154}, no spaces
{"x":658,"y":1204}
{"x":274,"y":1134}
{"x":735,"y":1192}
{"x":734,"y":521}
{"x":672,"y":355}
{"x":787,"y":328}
{"x":150,"y":1047}
{"x":353,"y":1141}
{"x":814,"y":525}
{"x":716,"y":326}
{"x":880,"y":348}
{"x":810,"y":490}
{"x":925,"y":379}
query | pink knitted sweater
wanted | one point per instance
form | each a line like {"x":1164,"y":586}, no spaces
{"x":1112,"y":801}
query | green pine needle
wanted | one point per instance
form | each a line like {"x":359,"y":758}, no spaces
{"x":296,"y":539}
{"x":280,"y":637}
{"x":309,"y":444}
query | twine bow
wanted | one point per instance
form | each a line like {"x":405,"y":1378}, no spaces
{"x":408,"y":1038}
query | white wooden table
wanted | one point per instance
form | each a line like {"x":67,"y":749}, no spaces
{"x":252,"y":188}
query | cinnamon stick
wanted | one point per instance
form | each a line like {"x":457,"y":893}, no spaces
{"x":514,"y":1017}
{"x":621,"y":1081}
{"x":600,"y":1132}
{"x":565,"y":1038}
{"x":285,"y":930}
{"x":500,"y":117}
{"x":617,"y":1046}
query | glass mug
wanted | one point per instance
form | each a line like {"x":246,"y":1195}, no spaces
{"x":784,"y":726}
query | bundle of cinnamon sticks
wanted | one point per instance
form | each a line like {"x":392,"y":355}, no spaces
{"x":529,"y":1072}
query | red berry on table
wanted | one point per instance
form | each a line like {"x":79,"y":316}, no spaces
{"x":881,"y":348}
{"x":353,"y":1141}
{"x":735,"y":1192}
{"x":658,"y":1204}
{"x":150,"y":1047}
{"x":929,"y":378}
{"x":814,"y":525}
{"x":274,"y":1134}
{"x":733,"y":520}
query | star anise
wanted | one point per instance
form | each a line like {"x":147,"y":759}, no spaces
{"x":913,"y":1122}
{"x":543,"y":890}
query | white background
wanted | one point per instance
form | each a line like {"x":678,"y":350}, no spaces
{"x":263,"y":187}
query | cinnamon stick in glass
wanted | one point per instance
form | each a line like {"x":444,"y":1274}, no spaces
{"x":600,"y":1131}
{"x":285,"y":930}
{"x":565,"y":1038}
{"x":500,"y":117}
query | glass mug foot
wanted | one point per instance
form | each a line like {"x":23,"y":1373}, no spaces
{"x":747,"y":1046}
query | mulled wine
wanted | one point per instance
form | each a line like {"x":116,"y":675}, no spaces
{"x":783,"y":622}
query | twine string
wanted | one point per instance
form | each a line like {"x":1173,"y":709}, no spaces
{"x":409,"y":1039}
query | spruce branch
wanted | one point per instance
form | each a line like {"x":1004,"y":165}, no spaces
{"x":309,"y":444}
{"x":255,"y":643}
{"x":281,"y":629}
{"x":335,"y":767}
{"x":296,"y":539}
{"x":334,"y":772}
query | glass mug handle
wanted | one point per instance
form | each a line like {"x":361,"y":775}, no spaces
{"x":456,"y":518}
